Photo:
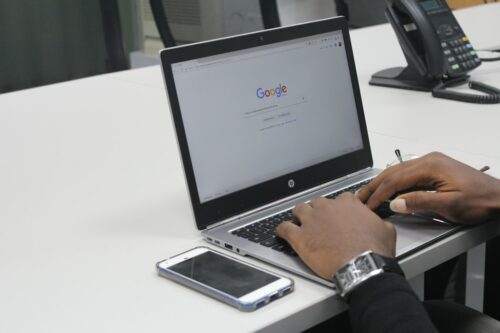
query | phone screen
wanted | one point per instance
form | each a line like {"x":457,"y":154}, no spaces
{"x":224,"y":274}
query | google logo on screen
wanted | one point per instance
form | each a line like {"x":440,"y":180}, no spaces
{"x":279,"y":91}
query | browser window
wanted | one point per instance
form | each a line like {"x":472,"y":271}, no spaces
{"x":257,"y":114}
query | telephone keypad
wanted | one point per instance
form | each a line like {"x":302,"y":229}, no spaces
{"x":460,"y":55}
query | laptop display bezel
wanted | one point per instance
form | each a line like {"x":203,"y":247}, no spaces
{"x":236,"y":203}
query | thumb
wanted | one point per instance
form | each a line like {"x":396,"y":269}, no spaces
{"x":420,"y":201}
{"x":289,"y":232}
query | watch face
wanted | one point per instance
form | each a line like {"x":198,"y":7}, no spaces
{"x":355,"y":272}
{"x":362,"y":268}
{"x":364,"y":264}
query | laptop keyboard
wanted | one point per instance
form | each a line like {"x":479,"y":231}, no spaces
{"x":263,"y":232}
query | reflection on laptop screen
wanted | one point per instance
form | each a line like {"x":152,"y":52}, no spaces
{"x":257,"y":114}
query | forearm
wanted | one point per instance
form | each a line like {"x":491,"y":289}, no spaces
{"x":387,"y":304}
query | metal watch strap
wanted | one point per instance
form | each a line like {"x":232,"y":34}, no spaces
{"x":362,"y":268}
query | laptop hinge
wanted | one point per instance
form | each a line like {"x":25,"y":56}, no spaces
{"x":289,"y":198}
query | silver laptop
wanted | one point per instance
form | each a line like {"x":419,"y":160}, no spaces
{"x":266,"y":120}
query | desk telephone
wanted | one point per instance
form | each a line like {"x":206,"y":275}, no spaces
{"x":437,"y":51}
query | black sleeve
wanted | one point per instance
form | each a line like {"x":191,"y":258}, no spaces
{"x":386,"y":304}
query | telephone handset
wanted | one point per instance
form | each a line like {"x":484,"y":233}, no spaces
{"x":436,"y":49}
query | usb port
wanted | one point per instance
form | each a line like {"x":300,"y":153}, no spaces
{"x":227,"y":246}
{"x":260,"y":304}
{"x":273,"y":297}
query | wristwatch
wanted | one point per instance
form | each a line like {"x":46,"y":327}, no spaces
{"x":362,"y":268}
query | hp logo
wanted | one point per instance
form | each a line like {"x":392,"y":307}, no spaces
{"x":291,"y":183}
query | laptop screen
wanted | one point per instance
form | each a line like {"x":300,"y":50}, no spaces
{"x":260,"y":113}
{"x":265,"y":116}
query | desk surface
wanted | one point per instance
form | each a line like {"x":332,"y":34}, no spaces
{"x":93,"y":194}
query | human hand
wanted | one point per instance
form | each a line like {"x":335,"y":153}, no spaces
{"x":458,"y":192}
{"x":332,"y":232}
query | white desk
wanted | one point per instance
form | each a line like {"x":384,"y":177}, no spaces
{"x":92,"y":194}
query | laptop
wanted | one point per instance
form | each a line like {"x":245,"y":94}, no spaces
{"x":269,"y":119}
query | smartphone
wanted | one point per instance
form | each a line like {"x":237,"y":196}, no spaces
{"x":224,"y":278}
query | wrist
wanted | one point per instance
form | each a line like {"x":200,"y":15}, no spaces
{"x":496,"y":204}
{"x":362,"y":268}
{"x":492,"y":201}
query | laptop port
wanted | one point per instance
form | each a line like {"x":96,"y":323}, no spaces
{"x":273,"y":297}
{"x":227,"y":246}
{"x":209,"y":239}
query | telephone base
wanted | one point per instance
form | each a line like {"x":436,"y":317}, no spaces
{"x":402,"y":78}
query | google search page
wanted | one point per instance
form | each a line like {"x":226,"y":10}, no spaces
{"x":258,"y":114}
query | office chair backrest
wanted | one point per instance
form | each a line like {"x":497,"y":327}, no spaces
{"x":161,"y":20}
{"x":362,"y":13}
{"x":160,"y":8}
{"x":342,"y":9}
{"x":270,"y":15}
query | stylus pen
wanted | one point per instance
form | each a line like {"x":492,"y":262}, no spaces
{"x":398,"y":155}
{"x":485,"y":168}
